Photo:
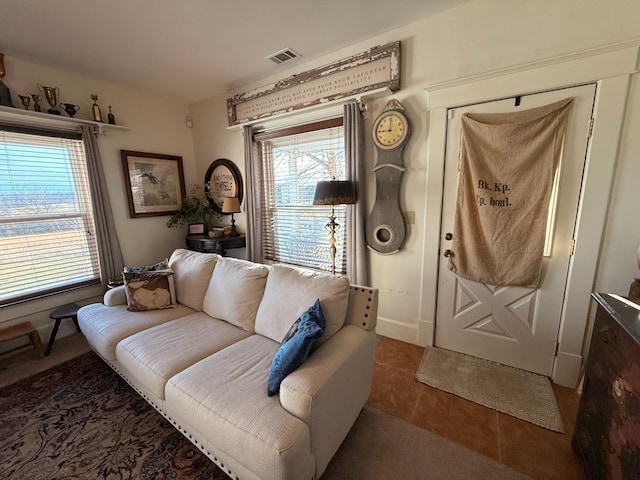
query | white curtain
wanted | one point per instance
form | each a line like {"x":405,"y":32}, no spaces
{"x":111,"y":261}
{"x":354,"y":152}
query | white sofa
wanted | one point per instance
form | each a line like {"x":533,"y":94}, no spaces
{"x":204,"y":364}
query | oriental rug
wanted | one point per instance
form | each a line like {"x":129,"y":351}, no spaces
{"x":509,"y":390}
{"x":80,"y":420}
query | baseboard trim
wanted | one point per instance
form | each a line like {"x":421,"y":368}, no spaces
{"x":397,"y":330}
{"x":567,"y":369}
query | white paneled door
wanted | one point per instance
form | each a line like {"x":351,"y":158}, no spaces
{"x":514,"y":326}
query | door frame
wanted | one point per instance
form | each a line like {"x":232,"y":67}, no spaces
{"x":610,"y":68}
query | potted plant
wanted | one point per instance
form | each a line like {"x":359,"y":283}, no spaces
{"x":195,"y":208}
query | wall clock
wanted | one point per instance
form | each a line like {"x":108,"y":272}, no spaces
{"x":391,"y":129}
{"x":222,"y":180}
{"x":385,"y":229}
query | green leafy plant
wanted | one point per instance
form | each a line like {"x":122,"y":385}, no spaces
{"x":195,"y":208}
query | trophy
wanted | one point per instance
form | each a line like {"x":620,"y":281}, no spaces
{"x":111,"y":119}
{"x":5,"y":94}
{"x":51,"y":94}
{"x":26,"y":100}
{"x":36,"y":99}
{"x":70,"y":108}
{"x":95,"y":108}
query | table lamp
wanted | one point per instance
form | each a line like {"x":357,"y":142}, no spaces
{"x":231,"y":205}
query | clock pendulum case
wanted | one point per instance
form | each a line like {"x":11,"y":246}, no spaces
{"x":385,"y":230}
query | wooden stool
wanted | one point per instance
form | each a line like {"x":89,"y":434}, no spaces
{"x":16,"y":331}
{"x":69,"y":310}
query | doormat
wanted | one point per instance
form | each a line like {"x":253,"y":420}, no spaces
{"x":524,"y":395}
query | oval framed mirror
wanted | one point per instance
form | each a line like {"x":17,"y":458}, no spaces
{"x":223,"y":179}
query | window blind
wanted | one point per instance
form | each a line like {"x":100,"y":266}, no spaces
{"x":47,"y":232}
{"x":293,"y":162}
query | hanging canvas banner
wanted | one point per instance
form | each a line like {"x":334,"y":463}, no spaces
{"x":506,"y":172}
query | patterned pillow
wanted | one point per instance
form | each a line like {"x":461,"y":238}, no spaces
{"x":149,"y":290}
{"x":296,"y":346}
{"x":163,"y":265}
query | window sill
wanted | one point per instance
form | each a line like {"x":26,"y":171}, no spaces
{"x":51,"y":302}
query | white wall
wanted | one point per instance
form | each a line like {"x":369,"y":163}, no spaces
{"x":479,"y":37}
{"x":156,"y":126}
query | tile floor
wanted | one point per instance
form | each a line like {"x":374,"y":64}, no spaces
{"x":525,"y":447}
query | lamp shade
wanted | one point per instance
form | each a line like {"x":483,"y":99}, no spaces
{"x":231,"y":205}
{"x":335,"y":192}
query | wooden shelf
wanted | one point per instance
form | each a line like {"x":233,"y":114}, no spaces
{"x":20,"y":116}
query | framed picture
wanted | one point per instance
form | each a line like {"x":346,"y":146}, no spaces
{"x":196,"y":229}
{"x":222,"y":180}
{"x":154,"y":183}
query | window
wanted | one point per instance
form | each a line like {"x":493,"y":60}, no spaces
{"x":293,"y":160}
{"x":47,"y":233}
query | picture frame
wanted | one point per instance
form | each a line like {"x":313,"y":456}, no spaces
{"x":154,"y":183}
{"x":223,"y":179}
{"x":196,"y":229}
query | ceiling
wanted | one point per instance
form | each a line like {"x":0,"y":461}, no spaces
{"x":189,"y":50}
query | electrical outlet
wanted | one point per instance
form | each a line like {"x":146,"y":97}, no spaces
{"x":409,"y":217}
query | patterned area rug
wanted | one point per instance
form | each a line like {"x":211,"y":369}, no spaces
{"x":518,"y":393}
{"x":80,"y":420}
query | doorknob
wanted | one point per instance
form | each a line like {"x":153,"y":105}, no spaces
{"x":448,"y":236}
{"x":448,"y":253}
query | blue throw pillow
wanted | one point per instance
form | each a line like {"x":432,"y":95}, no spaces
{"x":296,"y":346}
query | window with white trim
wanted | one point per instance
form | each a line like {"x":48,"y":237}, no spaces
{"x":47,"y":232}
{"x":293,"y":161}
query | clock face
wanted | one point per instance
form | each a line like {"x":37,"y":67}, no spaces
{"x":390,"y":130}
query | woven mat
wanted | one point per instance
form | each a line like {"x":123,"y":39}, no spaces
{"x":521,"y":394}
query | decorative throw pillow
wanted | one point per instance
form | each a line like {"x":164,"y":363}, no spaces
{"x":163,"y":265}
{"x":296,"y":346}
{"x":149,"y":290}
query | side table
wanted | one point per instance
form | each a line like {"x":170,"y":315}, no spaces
{"x":69,"y":310}
{"x":219,"y":245}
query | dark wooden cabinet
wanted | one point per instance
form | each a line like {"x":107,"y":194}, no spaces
{"x":220,"y":245}
{"x":607,"y":431}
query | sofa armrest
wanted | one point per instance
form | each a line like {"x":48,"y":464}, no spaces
{"x":330,"y":389}
{"x":363,"y":307}
{"x":115,"y":296}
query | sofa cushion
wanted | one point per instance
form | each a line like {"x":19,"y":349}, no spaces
{"x":223,"y":397}
{"x":156,"y":354}
{"x":149,"y":290}
{"x":296,"y":346}
{"x":235,"y":291}
{"x":105,"y":326}
{"x":192,"y":274}
{"x":290,"y":291}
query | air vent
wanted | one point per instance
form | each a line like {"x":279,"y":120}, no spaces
{"x":283,"y":56}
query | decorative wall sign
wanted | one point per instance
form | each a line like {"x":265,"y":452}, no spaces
{"x":222,"y":180}
{"x":155,"y":183}
{"x":376,"y":68}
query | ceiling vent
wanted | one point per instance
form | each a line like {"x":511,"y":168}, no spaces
{"x":283,"y":56}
